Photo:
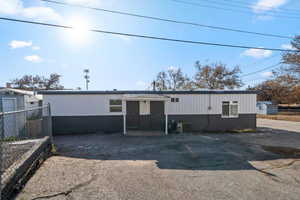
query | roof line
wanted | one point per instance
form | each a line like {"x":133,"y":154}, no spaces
{"x":121,"y":92}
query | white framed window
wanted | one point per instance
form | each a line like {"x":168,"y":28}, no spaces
{"x":230,"y":109}
{"x":115,"y":105}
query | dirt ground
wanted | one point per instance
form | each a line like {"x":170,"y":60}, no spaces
{"x":284,"y":116}
{"x":263,"y":165}
{"x":279,"y":124}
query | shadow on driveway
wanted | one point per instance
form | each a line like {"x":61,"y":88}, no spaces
{"x":186,"y":166}
{"x":180,"y":152}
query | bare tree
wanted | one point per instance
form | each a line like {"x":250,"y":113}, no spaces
{"x":216,"y":76}
{"x":172,"y":79}
{"x":284,"y":85}
{"x":177,"y":80}
{"x":53,"y":82}
{"x":36,"y":82}
{"x":293,"y":58}
{"x":161,"y":81}
{"x":281,"y":88}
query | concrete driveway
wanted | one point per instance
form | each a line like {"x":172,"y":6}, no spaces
{"x":206,"y":166}
{"x":279,"y":124}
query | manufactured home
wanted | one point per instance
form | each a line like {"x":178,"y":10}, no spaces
{"x":110,"y":111}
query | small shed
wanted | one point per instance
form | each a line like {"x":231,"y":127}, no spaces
{"x":266,"y":108}
{"x":13,"y":100}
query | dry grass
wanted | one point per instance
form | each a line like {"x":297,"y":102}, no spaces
{"x":289,"y":113}
{"x":244,"y":131}
{"x":286,"y":151}
{"x":286,"y":116}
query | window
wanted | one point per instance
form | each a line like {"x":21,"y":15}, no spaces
{"x":115,"y":105}
{"x":174,"y":100}
{"x":230,"y":109}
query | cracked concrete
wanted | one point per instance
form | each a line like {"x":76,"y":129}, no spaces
{"x":204,"y":166}
{"x":69,"y":191}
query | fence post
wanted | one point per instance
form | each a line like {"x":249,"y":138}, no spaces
{"x":2,"y":126}
{"x":1,"y":120}
{"x":1,"y":149}
{"x":50,"y":123}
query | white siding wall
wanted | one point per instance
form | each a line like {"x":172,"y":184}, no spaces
{"x":199,"y":104}
{"x":75,"y":105}
{"x":31,"y":102}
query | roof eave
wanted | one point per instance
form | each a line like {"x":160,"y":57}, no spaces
{"x":121,"y":92}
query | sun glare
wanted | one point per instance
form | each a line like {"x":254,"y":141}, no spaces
{"x":79,"y":34}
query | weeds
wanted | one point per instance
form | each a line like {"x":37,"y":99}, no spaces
{"x":9,"y":139}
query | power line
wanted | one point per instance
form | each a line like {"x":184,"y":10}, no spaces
{"x":283,"y":9}
{"x":248,"y":6}
{"x":255,"y":72}
{"x":228,"y":9}
{"x":169,"y":20}
{"x":148,"y":37}
{"x":261,"y":70}
{"x":265,"y":59}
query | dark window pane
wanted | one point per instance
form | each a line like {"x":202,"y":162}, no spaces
{"x":115,"y":109}
{"x":225,"y":108}
{"x":172,"y":99}
{"x":177,"y":99}
{"x":115,"y":102}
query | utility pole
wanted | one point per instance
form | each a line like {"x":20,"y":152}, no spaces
{"x":154,"y":85}
{"x":87,"y":78}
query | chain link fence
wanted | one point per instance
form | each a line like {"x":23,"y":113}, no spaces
{"x":20,"y":132}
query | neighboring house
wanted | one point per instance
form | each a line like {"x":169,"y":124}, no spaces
{"x":13,"y":100}
{"x":266,"y":108}
{"x":93,"y":111}
{"x":16,"y":99}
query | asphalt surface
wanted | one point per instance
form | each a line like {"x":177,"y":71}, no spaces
{"x":190,"y":166}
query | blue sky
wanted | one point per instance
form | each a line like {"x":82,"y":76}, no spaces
{"x":131,"y":63}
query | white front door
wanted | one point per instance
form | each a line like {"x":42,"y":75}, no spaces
{"x":10,"y":120}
